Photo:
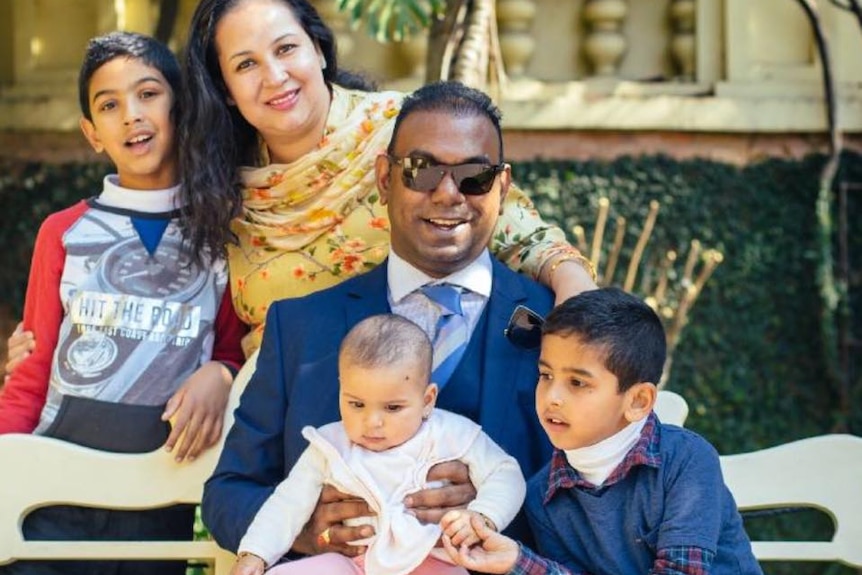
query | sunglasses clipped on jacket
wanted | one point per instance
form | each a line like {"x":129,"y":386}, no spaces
{"x":525,"y":328}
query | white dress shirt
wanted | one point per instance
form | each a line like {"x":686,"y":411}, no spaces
{"x":405,"y":280}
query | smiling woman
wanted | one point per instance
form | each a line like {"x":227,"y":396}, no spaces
{"x":278,"y":162}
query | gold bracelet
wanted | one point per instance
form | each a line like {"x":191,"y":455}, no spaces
{"x":579,"y":259}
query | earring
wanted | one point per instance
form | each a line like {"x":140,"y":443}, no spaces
{"x":322,"y":63}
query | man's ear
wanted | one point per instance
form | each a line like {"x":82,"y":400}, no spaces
{"x":505,"y":178}
{"x":640,"y":399}
{"x":382,"y":174}
{"x":91,"y":134}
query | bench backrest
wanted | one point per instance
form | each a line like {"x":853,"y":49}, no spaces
{"x":40,"y":471}
{"x":671,"y":407}
{"x":823,"y":472}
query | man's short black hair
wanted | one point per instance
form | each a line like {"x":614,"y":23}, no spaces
{"x":453,"y":98}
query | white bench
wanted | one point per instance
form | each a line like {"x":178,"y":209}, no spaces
{"x":823,"y":472}
{"x":671,"y":407}
{"x":41,"y":471}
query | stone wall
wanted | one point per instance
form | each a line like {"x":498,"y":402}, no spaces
{"x":740,"y":149}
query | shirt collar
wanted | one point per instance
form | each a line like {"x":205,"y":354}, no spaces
{"x":147,"y":201}
{"x":404,"y":278}
{"x":645,"y":452}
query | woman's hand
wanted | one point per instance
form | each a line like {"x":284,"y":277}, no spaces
{"x":18,"y":348}
{"x":429,"y":505}
{"x":325,"y":531}
{"x":495,"y":554}
{"x":197,"y":411}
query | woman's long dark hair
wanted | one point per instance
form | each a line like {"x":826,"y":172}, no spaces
{"x":214,"y":138}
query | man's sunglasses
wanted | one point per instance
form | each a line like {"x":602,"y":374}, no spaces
{"x":525,"y":328}
{"x":424,"y":175}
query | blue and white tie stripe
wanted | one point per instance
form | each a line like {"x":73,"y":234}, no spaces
{"x":451,"y":333}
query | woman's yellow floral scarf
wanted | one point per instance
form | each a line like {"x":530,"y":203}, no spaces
{"x":288,"y":206}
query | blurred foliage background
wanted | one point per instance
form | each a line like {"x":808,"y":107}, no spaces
{"x":750,"y":362}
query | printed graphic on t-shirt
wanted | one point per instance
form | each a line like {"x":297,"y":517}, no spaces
{"x":137,"y":324}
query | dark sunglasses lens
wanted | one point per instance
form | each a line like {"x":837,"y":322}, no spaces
{"x":471,"y":179}
{"x":525,"y":328}
{"x":423,"y":179}
{"x":474,"y":179}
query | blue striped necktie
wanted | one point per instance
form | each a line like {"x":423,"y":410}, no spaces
{"x":451,"y":333}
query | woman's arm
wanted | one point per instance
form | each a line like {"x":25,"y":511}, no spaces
{"x":528,"y":244}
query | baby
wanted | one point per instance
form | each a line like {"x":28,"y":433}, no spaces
{"x":388,"y":438}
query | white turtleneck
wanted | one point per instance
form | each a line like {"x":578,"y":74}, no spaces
{"x":596,"y":462}
{"x":146,"y":201}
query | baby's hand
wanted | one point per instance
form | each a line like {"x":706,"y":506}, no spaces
{"x":496,"y":553}
{"x":197,"y":411}
{"x":248,"y":564}
{"x":457,"y":525}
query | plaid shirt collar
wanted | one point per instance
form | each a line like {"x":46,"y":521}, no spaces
{"x":645,"y":452}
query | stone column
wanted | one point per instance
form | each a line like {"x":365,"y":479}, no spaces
{"x":682,"y":42}
{"x":605,"y":43}
{"x":49,"y":37}
{"x":514,"y":18}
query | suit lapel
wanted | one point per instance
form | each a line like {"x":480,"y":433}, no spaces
{"x":503,"y":360}
{"x":366,"y":295}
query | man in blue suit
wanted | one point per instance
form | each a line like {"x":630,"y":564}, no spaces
{"x":443,"y":182}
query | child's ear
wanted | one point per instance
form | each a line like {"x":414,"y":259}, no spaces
{"x":640,"y":399}
{"x":91,"y":134}
{"x":430,"y":400}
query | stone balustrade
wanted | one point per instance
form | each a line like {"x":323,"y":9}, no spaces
{"x":676,"y":65}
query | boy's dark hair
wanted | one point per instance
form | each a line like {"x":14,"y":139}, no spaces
{"x":386,"y":339}
{"x":103,"y":49}
{"x":452,"y":98}
{"x":627,"y":329}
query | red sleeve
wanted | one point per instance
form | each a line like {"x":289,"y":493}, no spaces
{"x":23,"y":396}
{"x":229,"y":331}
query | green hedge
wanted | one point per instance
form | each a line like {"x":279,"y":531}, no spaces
{"x":29,"y":192}
{"x":750,"y":362}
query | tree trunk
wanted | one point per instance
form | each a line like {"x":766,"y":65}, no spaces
{"x":444,"y":31}
{"x":464,"y":46}
{"x":168,"y":10}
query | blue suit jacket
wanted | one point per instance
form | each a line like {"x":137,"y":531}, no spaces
{"x":296,"y":384}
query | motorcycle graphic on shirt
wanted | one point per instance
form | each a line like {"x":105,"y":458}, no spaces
{"x":137,"y":323}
